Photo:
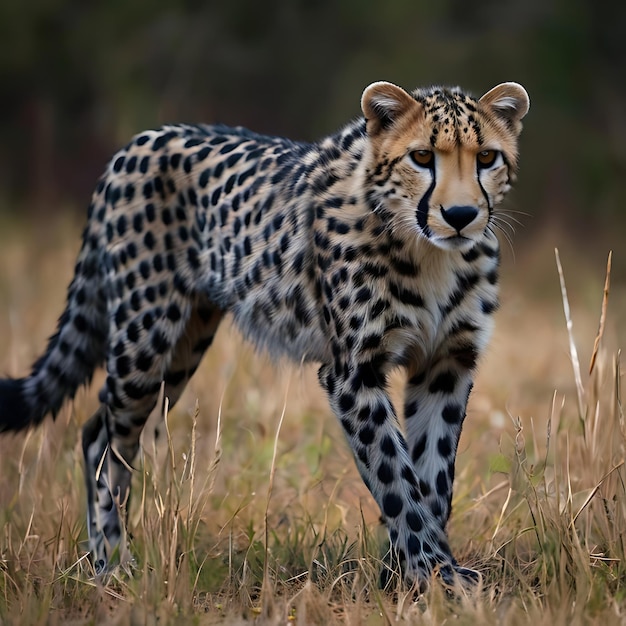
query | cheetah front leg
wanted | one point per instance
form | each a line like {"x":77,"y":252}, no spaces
{"x":435,"y":403}
{"x":364,"y":409}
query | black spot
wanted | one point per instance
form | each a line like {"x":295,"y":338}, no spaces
{"x":130,"y":280}
{"x":119,"y":318}
{"x":363,"y":414}
{"x":143,"y":361}
{"x":218,"y":170}
{"x":435,"y":507}
{"x":366,"y":435}
{"x":346,"y":402}
{"x":203,"y":179}
{"x":408,"y":474}
{"x":232,"y":160}
{"x":173,"y":312}
{"x":147,"y":321}
{"x":414,"y":545}
{"x":245,"y":175}
{"x":129,"y":192}
{"x":193,"y":142}
{"x":379,"y":415}
{"x":490,"y":252}
{"x":392,"y":505}
{"x":159,"y":342}
{"x":138,"y":222}
{"x":378,"y":307}
{"x":144,"y":269}
{"x":133,"y":331}
{"x":402,"y":267}
{"x":166,"y":216}
{"x":406,"y":296}
{"x":388,"y":447}
{"x":162,"y":140}
{"x":471,"y":255}
{"x":370,"y":342}
{"x":410,"y":409}
{"x":170,"y":260}
{"x":444,"y":382}
{"x":425,"y":488}
{"x":134,"y":391}
{"x":118,"y":164}
{"x":247,"y":246}
{"x":122,"y":224}
{"x":452,"y":414}
{"x":442,"y":483}
{"x":488,"y":307}
{"x":492,"y":277}
{"x":363,"y":295}
{"x":444,"y":446}
{"x":135,"y":301}
{"x":150,"y":212}
{"x":122,"y":366}
{"x":385,"y":473}
{"x":369,"y":375}
{"x":419,"y":448}
{"x":466,"y":355}
{"x":451,"y":470}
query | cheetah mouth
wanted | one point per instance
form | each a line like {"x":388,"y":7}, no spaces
{"x":459,"y":241}
{"x":454,"y":242}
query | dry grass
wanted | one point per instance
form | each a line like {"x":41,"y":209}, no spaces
{"x":251,"y":508}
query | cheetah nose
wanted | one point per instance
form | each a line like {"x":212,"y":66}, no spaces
{"x":459,"y":216}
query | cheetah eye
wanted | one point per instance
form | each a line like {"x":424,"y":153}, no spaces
{"x":423,"y":158}
{"x":486,"y":158}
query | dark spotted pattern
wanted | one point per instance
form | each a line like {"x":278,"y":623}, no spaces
{"x":369,"y":250}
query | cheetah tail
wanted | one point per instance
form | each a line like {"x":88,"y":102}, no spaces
{"x":71,"y":357}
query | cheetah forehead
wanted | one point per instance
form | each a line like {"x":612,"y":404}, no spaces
{"x":453,"y":119}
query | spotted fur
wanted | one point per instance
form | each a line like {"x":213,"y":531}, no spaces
{"x":369,"y":250}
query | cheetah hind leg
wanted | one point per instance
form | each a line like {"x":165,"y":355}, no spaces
{"x":106,"y":510}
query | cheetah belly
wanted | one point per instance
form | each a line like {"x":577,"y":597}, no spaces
{"x":271,"y":323}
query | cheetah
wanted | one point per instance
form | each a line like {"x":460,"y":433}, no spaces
{"x":370,"y":250}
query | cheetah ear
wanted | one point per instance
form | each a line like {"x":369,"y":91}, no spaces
{"x":382,"y":104}
{"x":508,"y":100}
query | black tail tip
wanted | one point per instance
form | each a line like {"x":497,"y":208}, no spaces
{"x":15,"y":412}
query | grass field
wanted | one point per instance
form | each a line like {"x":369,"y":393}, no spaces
{"x":251,"y":509}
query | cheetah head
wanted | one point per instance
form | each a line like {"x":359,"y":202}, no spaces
{"x":439,"y":161}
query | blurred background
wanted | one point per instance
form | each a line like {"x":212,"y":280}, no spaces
{"x":79,"y":78}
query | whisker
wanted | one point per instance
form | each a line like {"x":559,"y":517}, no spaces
{"x":510,"y":217}
{"x":505,"y":234}
{"x":504,"y":224}
{"x":509,"y":211}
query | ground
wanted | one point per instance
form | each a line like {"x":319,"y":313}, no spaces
{"x":251,"y":507}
